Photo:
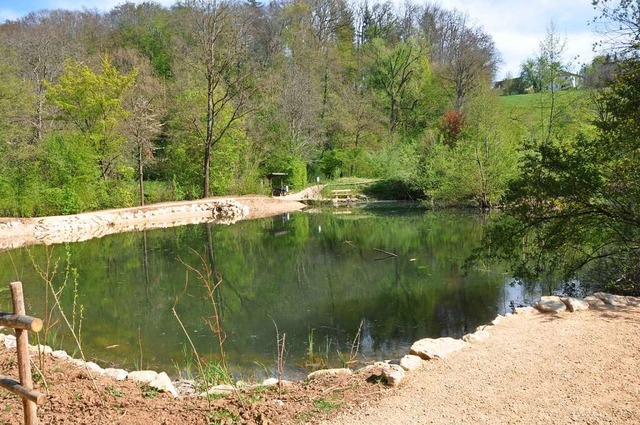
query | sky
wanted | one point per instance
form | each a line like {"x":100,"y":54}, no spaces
{"x":517,"y":26}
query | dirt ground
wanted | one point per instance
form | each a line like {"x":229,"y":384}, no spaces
{"x":581,"y":367}
{"x":570,"y":368}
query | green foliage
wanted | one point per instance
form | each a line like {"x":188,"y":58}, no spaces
{"x":298,"y":174}
{"x":185,"y":156}
{"x":479,"y":165}
{"x":92,"y":104}
{"x":575,"y":203}
{"x":148,"y":391}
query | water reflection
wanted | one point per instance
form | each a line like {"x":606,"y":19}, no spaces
{"x":396,"y":270}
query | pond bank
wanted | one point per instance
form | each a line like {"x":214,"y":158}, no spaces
{"x":578,"y":367}
{"x":535,"y":368}
{"x":19,"y":232}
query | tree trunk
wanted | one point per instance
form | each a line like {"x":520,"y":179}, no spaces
{"x":141,"y":173}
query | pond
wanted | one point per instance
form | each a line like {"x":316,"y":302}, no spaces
{"x":392,"y":275}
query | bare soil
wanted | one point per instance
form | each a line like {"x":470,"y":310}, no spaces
{"x":574,"y":367}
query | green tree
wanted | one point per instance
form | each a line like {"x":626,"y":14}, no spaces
{"x":397,"y":73}
{"x":478,"y":167}
{"x":91,"y":103}
{"x":576,"y":204}
{"x":215,"y":49}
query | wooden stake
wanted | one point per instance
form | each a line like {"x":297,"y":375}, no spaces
{"x":15,"y":387}
{"x":15,"y":321}
{"x":22,"y":346}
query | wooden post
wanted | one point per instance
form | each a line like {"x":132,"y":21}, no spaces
{"x":22,"y":347}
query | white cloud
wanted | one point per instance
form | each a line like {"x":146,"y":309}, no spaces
{"x":518,"y":26}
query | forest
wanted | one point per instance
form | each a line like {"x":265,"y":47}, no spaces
{"x":145,"y":102}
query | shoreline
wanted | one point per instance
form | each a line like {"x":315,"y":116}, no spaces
{"x":532,"y":367}
{"x":20,"y":232}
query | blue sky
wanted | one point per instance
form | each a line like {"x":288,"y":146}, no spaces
{"x":517,"y":26}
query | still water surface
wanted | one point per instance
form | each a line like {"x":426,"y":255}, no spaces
{"x":317,"y":276}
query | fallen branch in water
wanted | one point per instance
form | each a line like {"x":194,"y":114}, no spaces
{"x":389,"y":254}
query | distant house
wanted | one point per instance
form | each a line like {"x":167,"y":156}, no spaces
{"x":568,"y":80}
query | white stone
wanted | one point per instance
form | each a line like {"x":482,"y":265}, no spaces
{"x":10,"y":341}
{"x":185,"y":387}
{"x":117,"y":374}
{"x":77,"y":362}
{"x":485,"y":328}
{"x":411,"y":362}
{"x":478,"y":336}
{"x":439,"y":348}
{"x":39,"y":348}
{"x":634,"y":301}
{"x":94,"y":368}
{"x":142,"y":376}
{"x":372,"y":368}
{"x":270,"y":382}
{"x":594,"y":301}
{"x":610,"y":299}
{"x":329,"y":372}
{"x":575,"y":304}
{"x":551,"y":304}
{"x":218,"y":390}
{"x":393,"y":374}
{"x":526,"y":310}
{"x":497,"y":320}
{"x":163,"y":383}
{"x":60,"y":354}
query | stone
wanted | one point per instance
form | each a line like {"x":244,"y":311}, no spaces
{"x":218,"y":390}
{"x":142,"y":376}
{"x":39,"y":348}
{"x":185,"y":387}
{"x":478,"y":336}
{"x":551,"y":304}
{"x":164,"y":384}
{"x":610,"y":299}
{"x":94,"y":368}
{"x":10,"y":341}
{"x":633,"y":301}
{"x":329,"y":373}
{"x":411,"y":362}
{"x":526,"y":310}
{"x":594,"y":301}
{"x":485,"y":328}
{"x":439,"y":348}
{"x":60,"y":354}
{"x":270,"y":382}
{"x":117,"y":374}
{"x":497,"y":320}
{"x":77,"y":362}
{"x":575,"y":304}
{"x":393,"y":374}
{"x":372,"y":369}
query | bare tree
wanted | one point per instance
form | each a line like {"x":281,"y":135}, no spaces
{"x":619,"y":24}
{"x":218,"y":53}
{"x":466,"y":56}
{"x":146,"y":105}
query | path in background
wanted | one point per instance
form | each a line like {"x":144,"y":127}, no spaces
{"x":312,"y":193}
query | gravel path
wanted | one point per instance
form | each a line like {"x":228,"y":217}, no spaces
{"x":579,"y":367}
